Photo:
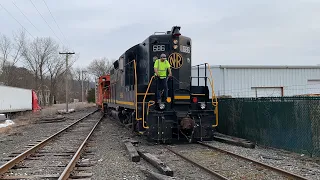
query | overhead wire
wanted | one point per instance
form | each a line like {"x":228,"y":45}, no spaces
{"x":25,"y":16}
{"x":56,"y":23}
{"x":46,"y":22}
{"x":17,"y":21}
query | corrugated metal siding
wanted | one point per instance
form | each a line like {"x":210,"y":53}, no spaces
{"x":239,"y":82}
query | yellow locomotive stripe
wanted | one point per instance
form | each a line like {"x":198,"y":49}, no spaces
{"x":130,"y":103}
{"x":125,"y":103}
{"x":122,"y":102}
{"x":181,"y":97}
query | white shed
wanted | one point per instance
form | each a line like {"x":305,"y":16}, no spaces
{"x":262,"y":81}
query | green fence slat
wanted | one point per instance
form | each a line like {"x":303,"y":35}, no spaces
{"x":290,"y":123}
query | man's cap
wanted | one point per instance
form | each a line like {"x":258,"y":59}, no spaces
{"x":163,"y":56}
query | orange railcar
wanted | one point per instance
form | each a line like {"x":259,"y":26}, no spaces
{"x":102,"y":90}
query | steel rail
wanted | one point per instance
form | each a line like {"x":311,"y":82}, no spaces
{"x":66,"y":173}
{"x":215,"y":174}
{"x":284,"y":172}
{"x":5,"y":167}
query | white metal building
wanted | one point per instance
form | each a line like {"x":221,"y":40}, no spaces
{"x":262,"y":81}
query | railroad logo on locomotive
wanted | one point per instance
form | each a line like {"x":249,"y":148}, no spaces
{"x":175,"y":60}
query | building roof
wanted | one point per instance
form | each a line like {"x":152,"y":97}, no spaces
{"x":262,"y":66}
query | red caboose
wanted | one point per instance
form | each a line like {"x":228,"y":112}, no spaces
{"x":102,"y":90}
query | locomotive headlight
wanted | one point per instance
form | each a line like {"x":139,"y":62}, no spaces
{"x":175,"y":46}
{"x":162,"y":105}
{"x":202,"y":105}
{"x":175,"y":41}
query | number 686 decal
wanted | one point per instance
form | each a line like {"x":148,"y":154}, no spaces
{"x":157,"y":48}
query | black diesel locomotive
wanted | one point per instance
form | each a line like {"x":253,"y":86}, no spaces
{"x":187,"y":114}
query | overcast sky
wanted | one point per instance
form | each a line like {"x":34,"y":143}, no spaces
{"x":232,"y":32}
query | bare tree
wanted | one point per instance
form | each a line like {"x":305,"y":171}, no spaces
{"x":9,"y":55}
{"x":56,"y":68}
{"x":77,"y":74}
{"x":99,"y":67}
{"x":36,"y":55}
{"x":80,"y":76}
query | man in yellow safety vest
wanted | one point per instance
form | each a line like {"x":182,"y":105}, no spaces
{"x":160,"y":68}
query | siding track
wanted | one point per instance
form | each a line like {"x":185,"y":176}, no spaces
{"x":224,"y":165}
{"x":285,"y":173}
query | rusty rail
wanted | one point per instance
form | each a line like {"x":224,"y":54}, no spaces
{"x":284,"y":172}
{"x":5,"y":167}
{"x":215,"y":174}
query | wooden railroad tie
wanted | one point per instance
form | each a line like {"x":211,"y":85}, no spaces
{"x":161,"y":166}
{"x":132,"y":152}
{"x":155,"y":175}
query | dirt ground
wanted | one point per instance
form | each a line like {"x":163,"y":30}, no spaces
{"x":25,"y":118}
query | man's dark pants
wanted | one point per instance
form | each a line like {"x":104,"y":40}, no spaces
{"x":162,"y":84}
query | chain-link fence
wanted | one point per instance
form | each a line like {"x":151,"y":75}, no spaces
{"x":291,"y":123}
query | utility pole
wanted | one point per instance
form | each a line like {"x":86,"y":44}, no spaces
{"x":82,"y":93}
{"x":67,"y":69}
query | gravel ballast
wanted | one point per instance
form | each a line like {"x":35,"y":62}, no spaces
{"x":181,"y":168}
{"x":224,"y":164}
{"x":54,"y":156}
{"x":18,"y":137}
{"x":110,"y":156}
{"x":110,"y":159}
{"x":285,"y":160}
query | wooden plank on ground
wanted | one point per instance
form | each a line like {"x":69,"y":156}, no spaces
{"x":156,"y":176}
{"x":161,"y":166}
{"x":132,"y":152}
{"x":132,"y":141}
{"x":79,"y":175}
{"x":234,"y":141}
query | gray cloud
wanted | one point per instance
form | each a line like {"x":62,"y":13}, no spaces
{"x":222,"y":32}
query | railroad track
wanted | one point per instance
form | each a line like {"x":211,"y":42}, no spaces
{"x":225,"y":165}
{"x":56,"y":156}
{"x":211,"y":172}
{"x":281,"y":171}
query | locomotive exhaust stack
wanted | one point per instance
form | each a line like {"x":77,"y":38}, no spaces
{"x":175,"y":31}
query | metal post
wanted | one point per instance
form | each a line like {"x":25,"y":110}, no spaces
{"x":67,"y":69}
{"x":67,"y":93}
{"x":205,"y":74}
{"x":198,"y":76}
{"x":81,"y":85}
{"x":205,"y":82}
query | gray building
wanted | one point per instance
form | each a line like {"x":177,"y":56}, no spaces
{"x":262,"y":81}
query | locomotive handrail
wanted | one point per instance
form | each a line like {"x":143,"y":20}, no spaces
{"x":214,"y":100}
{"x":136,"y":87}
{"x":213,"y":94}
{"x":150,"y":103}
{"x":199,"y":65}
{"x":212,"y":86}
{"x":143,"y":102}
